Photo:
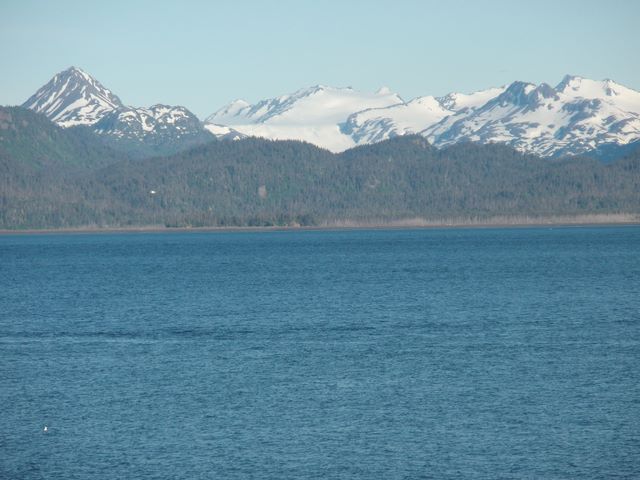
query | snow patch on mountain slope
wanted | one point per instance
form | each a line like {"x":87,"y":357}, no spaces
{"x":375,"y":125}
{"x":457,"y":102}
{"x":160,"y":120}
{"x":224,"y":132}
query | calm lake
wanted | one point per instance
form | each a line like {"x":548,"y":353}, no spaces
{"x":382,"y":354}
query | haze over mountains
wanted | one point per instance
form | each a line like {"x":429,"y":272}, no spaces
{"x":578,"y":116}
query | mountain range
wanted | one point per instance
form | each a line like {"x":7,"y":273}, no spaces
{"x":75,"y":156}
{"x":73,"y":98}
{"x":53,"y":177}
{"x":579,"y":116}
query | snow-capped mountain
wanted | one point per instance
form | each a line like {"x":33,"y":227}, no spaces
{"x":157,"y":120}
{"x":314,"y":115}
{"x":73,"y":97}
{"x":578,"y":116}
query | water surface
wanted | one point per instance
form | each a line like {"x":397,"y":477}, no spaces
{"x":460,"y":353}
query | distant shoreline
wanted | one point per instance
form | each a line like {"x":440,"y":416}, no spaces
{"x":412,"y":223}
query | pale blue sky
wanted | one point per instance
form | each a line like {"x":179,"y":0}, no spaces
{"x":204,"y":54}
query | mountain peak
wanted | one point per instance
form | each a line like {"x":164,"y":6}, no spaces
{"x":569,"y":81}
{"x":517,"y":93}
{"x":579,"y":87}
{"x":72,"y":69}
{"x":544,"y":90}
{"x":569,"y":77}
{"x":73,"y":97}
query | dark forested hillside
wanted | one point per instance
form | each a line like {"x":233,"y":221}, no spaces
{"x":54,"y":178}
{"x":35,"y":142}
{"x":145,"y":146}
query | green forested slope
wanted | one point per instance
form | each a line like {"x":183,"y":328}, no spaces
{"x":53,"y":178}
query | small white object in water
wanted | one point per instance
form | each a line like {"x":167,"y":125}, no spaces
{"x":46,"y":429}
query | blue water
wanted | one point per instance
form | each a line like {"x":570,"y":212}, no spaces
{"x":464,"y":353}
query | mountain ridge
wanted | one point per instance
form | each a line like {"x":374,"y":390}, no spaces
{"x":578,"y":116}
{"x":73,"y":98}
